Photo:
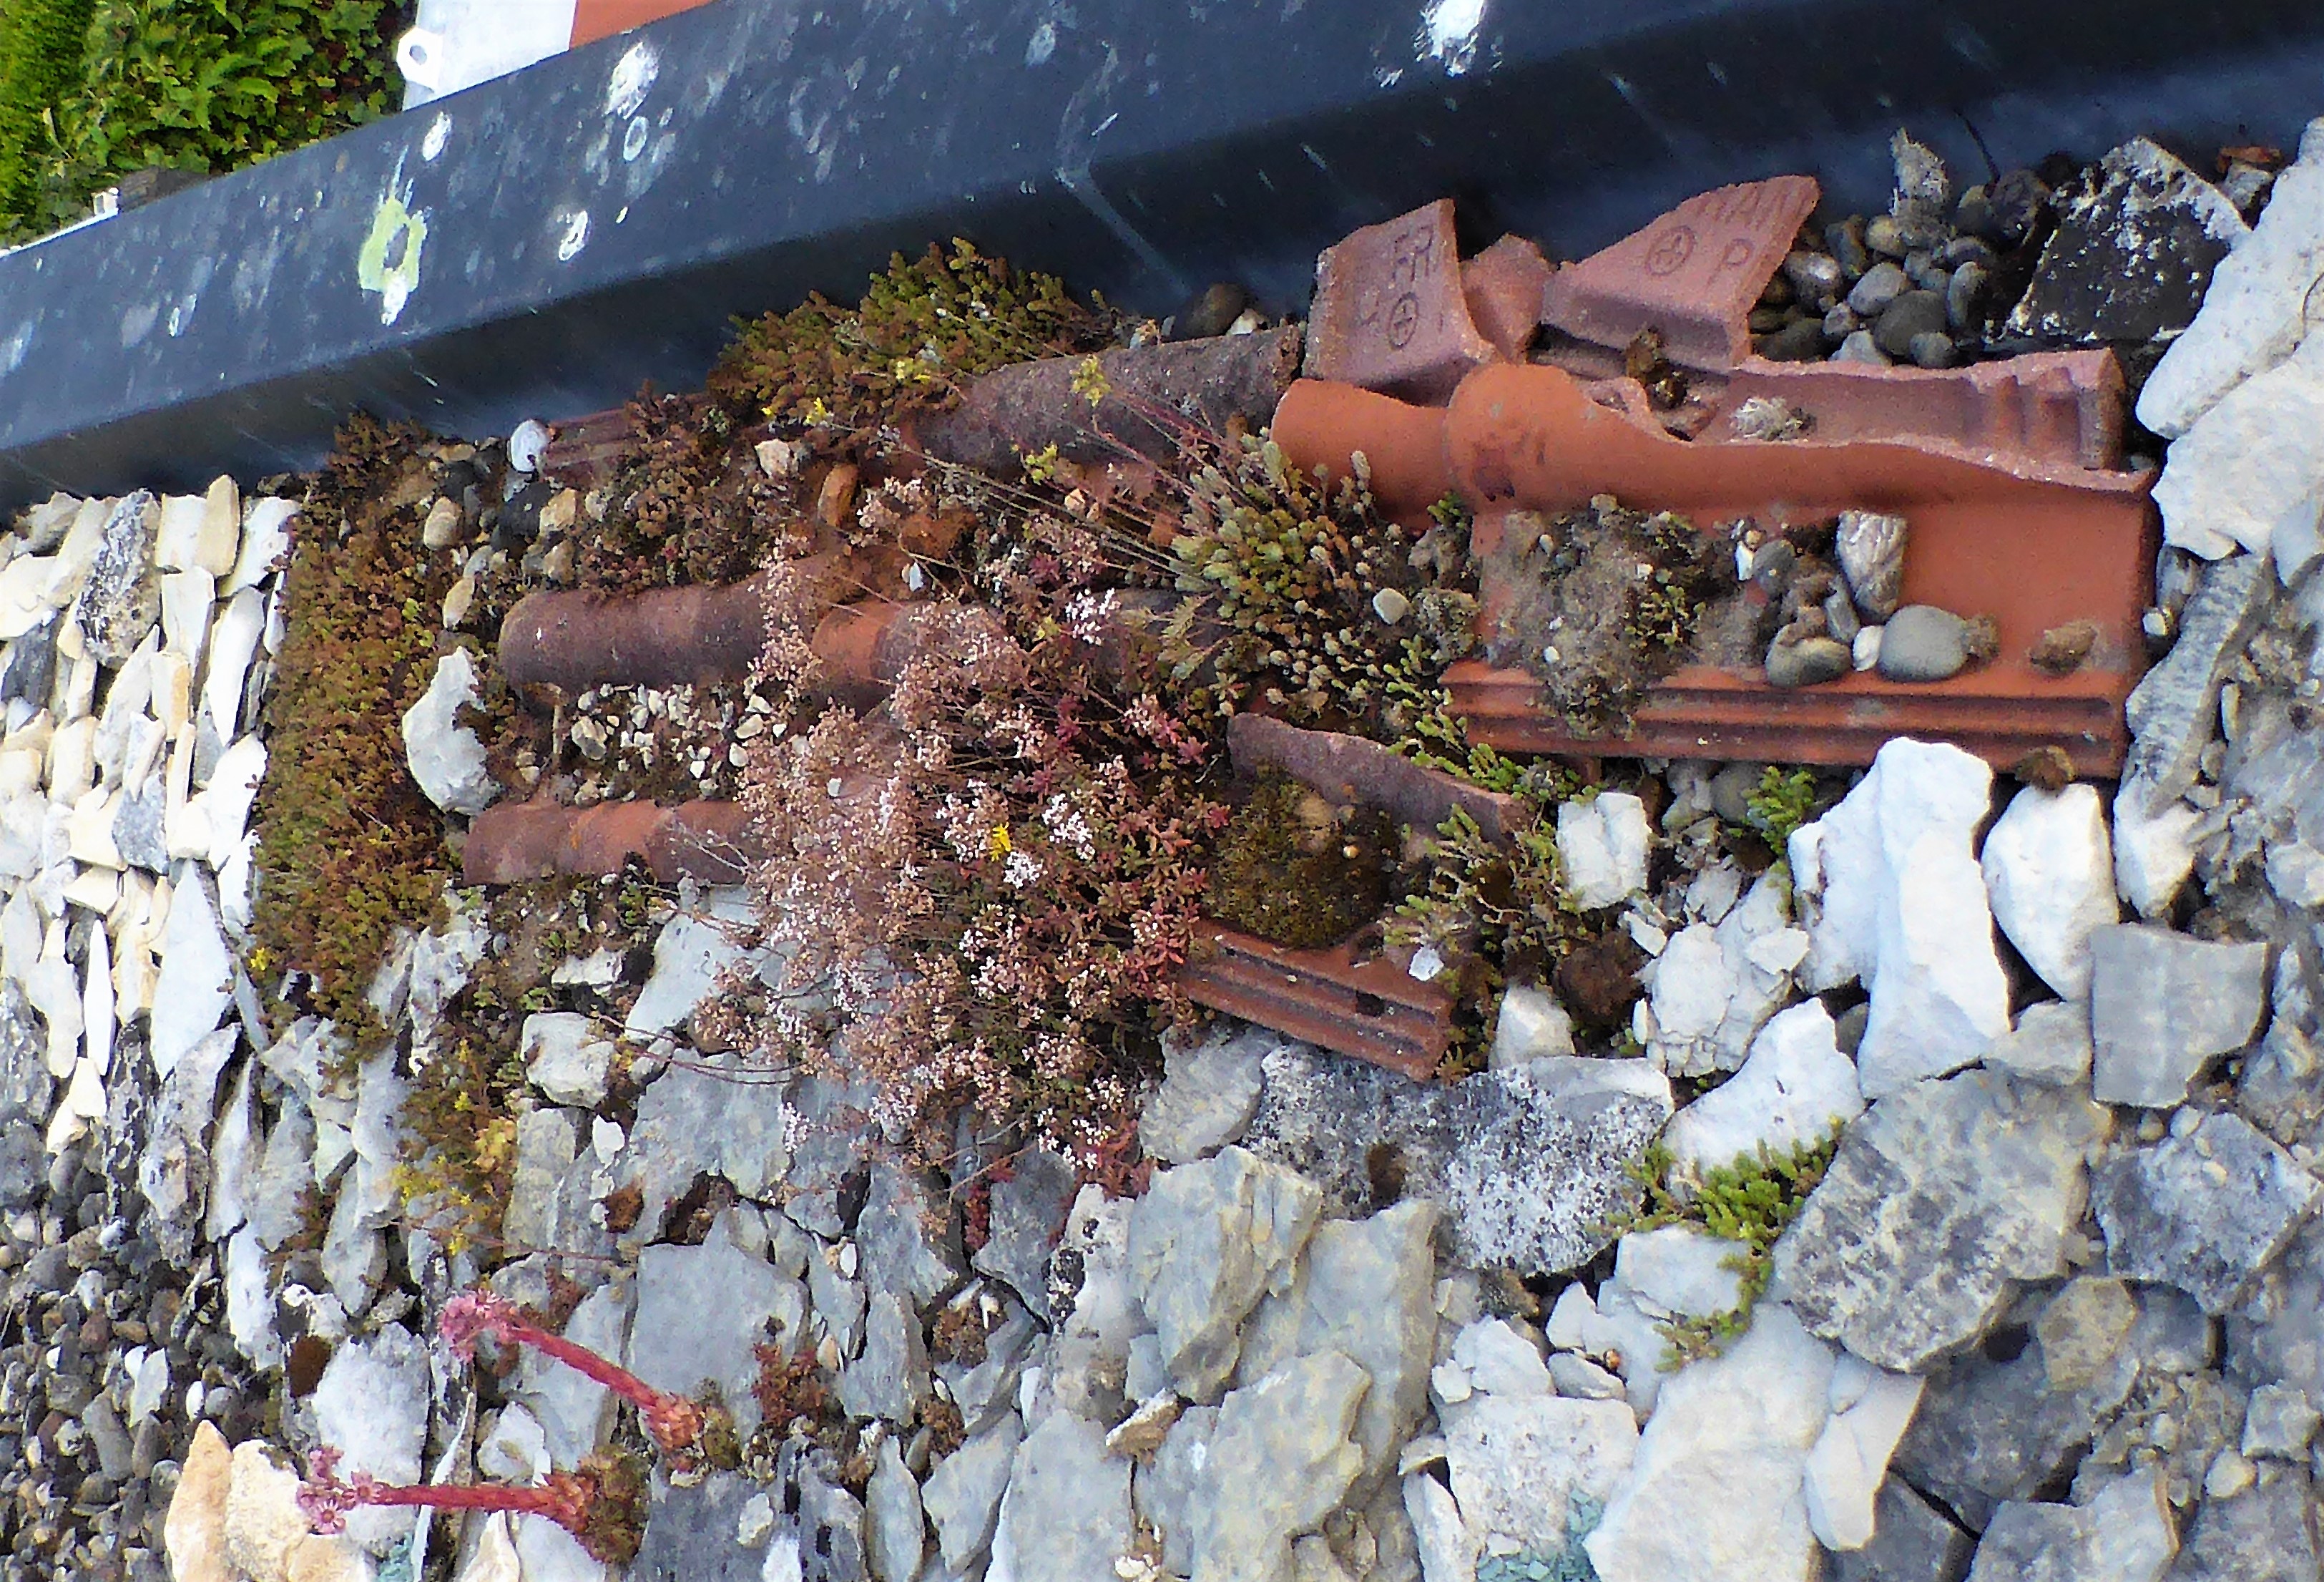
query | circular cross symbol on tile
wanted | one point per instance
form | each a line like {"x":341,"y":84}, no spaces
{"x":1403,"y":320}
{"x":1671,"y":251}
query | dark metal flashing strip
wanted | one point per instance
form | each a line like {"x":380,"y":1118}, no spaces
{"x":539,"y":246}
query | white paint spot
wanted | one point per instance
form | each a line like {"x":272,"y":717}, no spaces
{"x":138,"y":323}
{"x":621,"y":214}
{"x":576,"y":238}
{"x":431,"y":147}
{"x":1041,"y":45}
{"x":181,"y":313}
{"x":18,"y":345}
{"x":632,"y":80}
{"x":1448,"y":33}
{"x":633,"y":141}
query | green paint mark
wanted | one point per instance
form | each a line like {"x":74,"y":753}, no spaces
{"x":396,"y":234}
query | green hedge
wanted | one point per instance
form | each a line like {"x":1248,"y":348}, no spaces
{"x":199,"y":85}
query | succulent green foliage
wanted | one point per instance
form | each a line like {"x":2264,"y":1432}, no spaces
{"x":200,"y":85}
{"x":1786,"y":799}
{"x":1570,"y":1564}
{"x":1750,"y":1203}
{"x":1507,"y":903}
{"x":922,"y":329}
{"x":1320,"y":595}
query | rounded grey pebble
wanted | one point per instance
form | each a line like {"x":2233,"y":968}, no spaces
{"x":1932,"y":349}
{"x":1924,"y":643}
{"x":1965,"y":297}
{"x":1963,"y":250}
{"x":1882,"y":284}
{"x":1731,"y":789}
{"x":1885,"y":237}
{"x":1815,"y":277}
{"x":1860,"y":347}
{"x":1808,"y":663}
{"x":1925,"y":272}
{"x":1800,"y":341}
{"x":1913,"y":313}
{"x":1845,"y":240}
{"x":1840,"y":323}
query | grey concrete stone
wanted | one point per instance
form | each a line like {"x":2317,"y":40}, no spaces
{"x":725,"y":1120}
{"x":1912,"y":1541}
{"x":962,"y":1494}
{"x":2126,"y":1535}
{"x":2206,"y":1212}
{"x":1066,"y":1515}
{"x":1209,"y":1092}
{"x":1280,"y":1460}
{"x":1943,"y":1198}
{"x":907,"y":1238}
{"x":2279,"y":1421}
{"x":2162,"y":1005}
{"x":2175,"y":709}
{"x":1528,"y":1166}
{"x":1207,"y":1241}
{"x":692,"y":1533}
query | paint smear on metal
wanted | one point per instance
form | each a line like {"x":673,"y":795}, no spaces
{"x":632,"y":80}
{"x":576,"y":238}
{"x":1448,"y":33}
{"x":1041,"y":45}
{"x":431,"y":147}
{"x":389,"y":260}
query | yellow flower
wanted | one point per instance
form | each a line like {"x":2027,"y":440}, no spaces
{"x":817,"y":411}
{"x":1000,"y":844}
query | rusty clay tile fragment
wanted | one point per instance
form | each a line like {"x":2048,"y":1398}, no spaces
{"x":1151,"y":394}
{"x":1354,"y":771}
{"x":710,"y":842}
{"x":1389,"y":313}
{"x":1693,"y":274}
{"x":1371,"y":1009}
{"x":2033,"y":414}
{"x":1504,"y":286}
{"x":664,"y":636}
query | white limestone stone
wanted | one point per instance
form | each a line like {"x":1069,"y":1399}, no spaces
{"x":1900,"y":904}
{"x":1797,"y":1089}
{"x":1602,"y":846}
{"x":2048,"y":872}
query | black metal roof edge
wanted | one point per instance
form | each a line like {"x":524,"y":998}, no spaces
{"x":599,"y":219}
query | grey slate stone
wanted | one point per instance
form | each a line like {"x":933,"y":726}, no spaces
{"x":25,"y":1084}
{"x":2206,"y":1212}
{"x":1367,"y":1291}
{"x":1987,"y":1432}
{"x":2162,"y":1005}
{"x":892,"y":1532}
{"x":962,"y":1494}
{"x":891,"y":1378}
{"x":1028,"y":1210}
{"x":1529,"y":1166}
{"x":690,"y":1536}
{"x":2174,"y":710}
{"x":2279,"y":1421}
{"x":1942,"y":1199}
{"x":122,"y":596}
{"x":137,"y":826}
{"x":700,"y":1312}
{"x":544,"y":1154}
{"x":2133,"y":252}
{"x":2125,"y":1534}
{"x":2278,"y":1333}
{"x":726,"y":1120}
{"x":2050,"y":1044}
{"x":1208,"y":1094}
{"x":1912,"y":1541}
{"x":1280,"y":1461}
{"x":31,"y":668}
{"x":1168,"y":1484}
{"x":906,"y":1236}
{"x":1207,"y":1241}
{"x":1066,"y":1517}
{"x":2267,"y":1533}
